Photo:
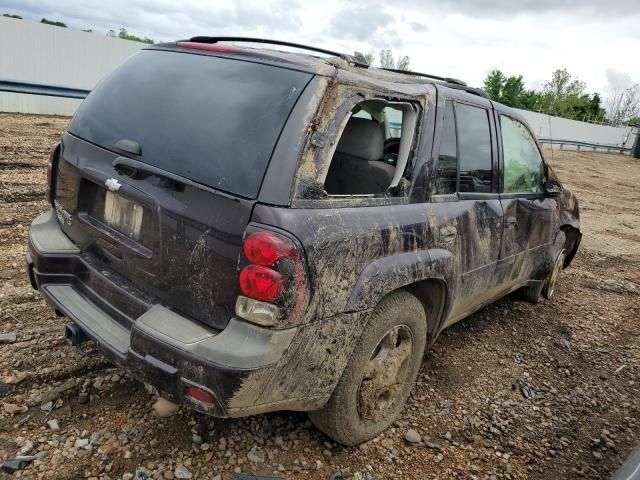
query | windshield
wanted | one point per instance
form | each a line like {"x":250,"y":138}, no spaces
{"x":213,"y":120}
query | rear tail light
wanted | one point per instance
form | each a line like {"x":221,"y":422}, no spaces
{"x":209,"y":47}
{"x":261,"y":283}
{"x":272,"y":279}
{"x":51,"y":170}
{"x":264,"y":248}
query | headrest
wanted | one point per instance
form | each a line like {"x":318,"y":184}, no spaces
{"x":362,"y":138}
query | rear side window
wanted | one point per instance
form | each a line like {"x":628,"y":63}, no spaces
{"x":474,"y":141}
{"x":447,"y":168}
{"x":213,"y":120}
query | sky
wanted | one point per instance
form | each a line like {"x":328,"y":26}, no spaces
{"x":597,"y":41}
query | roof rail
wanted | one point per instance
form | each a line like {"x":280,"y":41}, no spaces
{"x":355,"y":60}
{"x":427,"y":75}
{"x":451,"y":82}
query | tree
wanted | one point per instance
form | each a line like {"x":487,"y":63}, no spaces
{"x":564,"y":96}
{"x":387,"y":60}
{"x":367,"y":57}
{"x":10,"y":15}
{"x":51,"y":22}
{"x":624,"y":105}
{"x":127,"y":36}
{"x":493,"y":84}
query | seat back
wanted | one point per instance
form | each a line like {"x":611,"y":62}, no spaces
{"x":356,"y":167}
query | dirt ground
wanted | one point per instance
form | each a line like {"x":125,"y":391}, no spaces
{"x":515,"y":391}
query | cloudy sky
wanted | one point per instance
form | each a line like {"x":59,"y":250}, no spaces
{"x":597,"y":41}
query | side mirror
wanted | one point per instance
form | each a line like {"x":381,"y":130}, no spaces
{"x":552,"y":188}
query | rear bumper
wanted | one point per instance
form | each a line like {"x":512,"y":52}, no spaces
{"x":248,"y":369}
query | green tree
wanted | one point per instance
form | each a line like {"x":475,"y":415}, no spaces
{"x":51,"y":22}
{"x":127,"y":36}
{"x":564,"y":96}
{"x":493,"y":85}
{"x":388,"y":61}
{"x":368,"y":57}
{"x":10,"y":15}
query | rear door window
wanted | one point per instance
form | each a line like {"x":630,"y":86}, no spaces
{"x":474,"y":144}
{"x":213,"y":120}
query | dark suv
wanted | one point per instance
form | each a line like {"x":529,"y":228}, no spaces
{"x":251,"y":230}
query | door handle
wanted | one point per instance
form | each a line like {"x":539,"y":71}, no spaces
{"x":447,"y":233}
{"x":510,"y":222}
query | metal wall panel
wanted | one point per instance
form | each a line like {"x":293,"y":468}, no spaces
{"x":45,"y":54}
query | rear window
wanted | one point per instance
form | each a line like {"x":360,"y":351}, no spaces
{"x":213,"y":120}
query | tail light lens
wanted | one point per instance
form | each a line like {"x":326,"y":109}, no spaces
{"x":51,"y":169}
{"x":264,"y":248}
{"x":261,"y":283}
{"x":272,"y":279}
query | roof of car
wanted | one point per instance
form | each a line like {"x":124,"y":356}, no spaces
{"x":348,"y":67}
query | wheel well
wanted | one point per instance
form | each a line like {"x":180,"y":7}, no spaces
{"x":572,"y":236}
{"x":432,"y":294}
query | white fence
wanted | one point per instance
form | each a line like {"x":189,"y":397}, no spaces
{"x":44,"y":54}
{"x":578,"y":135}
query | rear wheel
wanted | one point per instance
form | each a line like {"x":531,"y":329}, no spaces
{"x":380,"y":373}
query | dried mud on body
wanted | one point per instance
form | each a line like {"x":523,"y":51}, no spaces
{"x":515,"y":391}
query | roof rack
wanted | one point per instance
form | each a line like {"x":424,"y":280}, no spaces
{"x":355,"y":60}
{"x":451,"y":82}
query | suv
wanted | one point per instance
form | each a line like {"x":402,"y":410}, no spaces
{"x":250,"y":230}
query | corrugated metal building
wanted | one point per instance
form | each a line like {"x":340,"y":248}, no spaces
{"x":45,"y":54}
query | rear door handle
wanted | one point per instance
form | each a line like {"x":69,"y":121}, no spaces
{"x":447,"y":233}
{"x":510,"y":221}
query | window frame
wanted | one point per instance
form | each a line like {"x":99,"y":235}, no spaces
{"x":331,"y":133}
{"x":508,"y":195}
{"x":493,"y":136}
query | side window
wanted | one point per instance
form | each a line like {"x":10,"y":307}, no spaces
{"x":474,"y":149}
{"x":523,"y":165}
{"x":372,"y":153}
{"x":447,"y":167}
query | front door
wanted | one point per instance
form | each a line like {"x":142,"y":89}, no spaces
{"x":528,"y":218}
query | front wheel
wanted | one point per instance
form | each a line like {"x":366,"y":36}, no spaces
{"x":380,"y":373}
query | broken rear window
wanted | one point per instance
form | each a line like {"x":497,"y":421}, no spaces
{"x":213,"y":120}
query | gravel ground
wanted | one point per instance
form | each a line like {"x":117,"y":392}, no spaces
{"x":514,"y":391}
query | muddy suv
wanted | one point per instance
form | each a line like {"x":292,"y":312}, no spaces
{"x":251,"y":230}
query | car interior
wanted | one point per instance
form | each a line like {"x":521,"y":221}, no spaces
{"x":371,"y":155}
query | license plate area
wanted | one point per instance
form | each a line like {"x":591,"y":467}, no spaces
{"x":123,"y":215}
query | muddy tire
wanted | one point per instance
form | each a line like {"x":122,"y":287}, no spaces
{"x":545,"y":288}
{"x":380,"y":373}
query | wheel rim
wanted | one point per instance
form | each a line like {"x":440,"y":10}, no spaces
{"x":385,"y":373}
{"x":553,"y":279}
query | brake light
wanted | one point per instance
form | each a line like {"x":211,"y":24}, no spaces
{"x":261,"y":283}
{"x":52,"y":156}
{"x":266,"y":249}
{"x":210,"y":47}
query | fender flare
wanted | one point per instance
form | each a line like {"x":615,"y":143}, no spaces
{"x":386,"y":274}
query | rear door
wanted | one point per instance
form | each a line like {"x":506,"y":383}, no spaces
{"x":160,"y":169}
{"x":469,"y":211}
{"x":528,"y":212}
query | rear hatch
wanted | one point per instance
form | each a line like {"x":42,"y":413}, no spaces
{"x":160,"y":168}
